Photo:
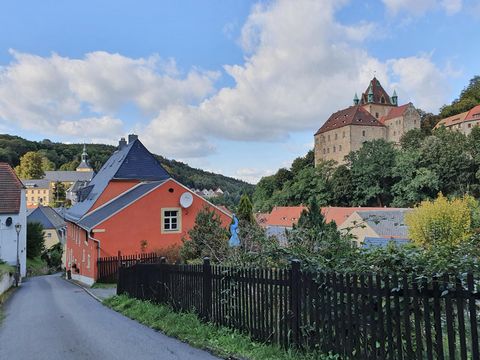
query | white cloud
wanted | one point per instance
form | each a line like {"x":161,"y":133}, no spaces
{"x":76,"y":97}
{"x":420,"y":7}
{"x":300,"y":65}
{"x":252,"y":175}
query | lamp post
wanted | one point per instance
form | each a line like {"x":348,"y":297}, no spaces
{"x":18,"y":227}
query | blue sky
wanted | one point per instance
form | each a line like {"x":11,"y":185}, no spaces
{"x":233,"y":86}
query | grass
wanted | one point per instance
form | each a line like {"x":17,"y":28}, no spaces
{"x":187,"y":327}
{"x":103,"y":286}
{"x":36,"y":266}
{"x":3,"y":298}
{"x":5,"y":269}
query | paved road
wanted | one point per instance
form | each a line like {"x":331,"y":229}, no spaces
{"x":49,"y":318}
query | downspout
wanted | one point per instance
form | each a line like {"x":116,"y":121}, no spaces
{"x":98,"y":252}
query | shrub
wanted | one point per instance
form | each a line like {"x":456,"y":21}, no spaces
{"x":442,"y":222}
{"x":35,"y":240}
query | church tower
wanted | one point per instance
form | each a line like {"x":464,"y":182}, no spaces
{"x":84,"y":164}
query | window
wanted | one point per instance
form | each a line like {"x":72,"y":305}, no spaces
{"x":394,"y":133}
{"x":328,"y":150}
{"x":83,"y":255}
{"x":171,"y":220}
{"x":363,"y":133}
{"x":336,"y":136}
{"x":48,"y":235}
{"x":343,"y":134}
{"x":339,"y":147}
{"x":334,"y":149}
{"x":376,"y":115}
{"x":324,"y":151}
{"x":469,"y":126}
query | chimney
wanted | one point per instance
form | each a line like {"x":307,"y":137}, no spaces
{"x":122,"y":143}
{"x":132,"y":138}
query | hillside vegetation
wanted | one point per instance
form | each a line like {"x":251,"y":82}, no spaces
{"x":67,"y":157}
{"x":380,"y":174}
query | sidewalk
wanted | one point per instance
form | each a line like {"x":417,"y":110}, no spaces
{"x":99,"y":294}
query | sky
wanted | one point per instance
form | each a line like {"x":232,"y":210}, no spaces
{"x":237,"y":87}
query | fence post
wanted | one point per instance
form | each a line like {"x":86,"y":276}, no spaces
{"x":119,"y":264}
{"x":295,"y":301}
{"x":163,"y":260}
{"x":207,"y":289}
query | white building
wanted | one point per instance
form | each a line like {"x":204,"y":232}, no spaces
{"x":13,"y":217}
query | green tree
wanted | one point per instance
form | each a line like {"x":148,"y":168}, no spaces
{"x":469,"y":97}
{"x":301,"y":163}
{"x":372,"y":173}
{"x":263,"y":193}
{"x":206,"y":238}
{"x":59,"y":194}
{"x":245,"y":209}
{"x":412,"y":139}
{"x":35,"y":240}
{"x":342,"y":186}
{"x":30,"y":166}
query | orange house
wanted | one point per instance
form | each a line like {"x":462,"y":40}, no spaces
{"x":132,"y":205}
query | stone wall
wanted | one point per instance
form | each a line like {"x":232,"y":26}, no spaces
{"x":398,"y":126}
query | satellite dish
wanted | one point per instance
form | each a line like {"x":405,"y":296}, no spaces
{"x":9,"y":221}
{"x":186,"y":200}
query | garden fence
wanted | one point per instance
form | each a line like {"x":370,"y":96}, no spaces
{"x":107,"y":267}
{"x":358,"y":316}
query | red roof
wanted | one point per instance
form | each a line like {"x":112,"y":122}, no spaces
{"x":10,"y":190}
{"x":378,"y":93}
{"x":353,"y":115}
{"x":395,"y":112}
{"x":473,"y":114}
{"x":289,"y":215}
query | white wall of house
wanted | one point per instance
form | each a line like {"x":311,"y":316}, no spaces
{"x":8,"y":237}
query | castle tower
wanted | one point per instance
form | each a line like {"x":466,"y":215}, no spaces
{"x":376,"y":100}
{"x":84,"y":164}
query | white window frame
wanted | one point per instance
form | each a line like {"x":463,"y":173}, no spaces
{"x":178,"y":217}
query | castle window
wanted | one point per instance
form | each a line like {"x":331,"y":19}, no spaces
{"x":328,"y":150}
{"x":376,"y":115}
{"x":336,"y":136}
{"x":343,"y":134}
{"x":328,"y":137}
{"x":334,"y":149}
{"x":363,"y":133}
{"x":339,"y":147}
{"x":414,"y":122}
{"x":324,"y":151}
{"x":394,"y":133}
{"x":469,"y":126}
{"x":382,"y":100}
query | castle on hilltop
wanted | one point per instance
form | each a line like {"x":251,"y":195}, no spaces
{"x":376,"y":115}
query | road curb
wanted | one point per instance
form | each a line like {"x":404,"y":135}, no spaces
{"x":85,"y":289}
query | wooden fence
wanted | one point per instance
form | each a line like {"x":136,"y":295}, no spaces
{"x":362,"y":316}
{"x":107,"y":267}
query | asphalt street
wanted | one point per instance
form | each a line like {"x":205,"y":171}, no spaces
{"x":50,"y":318}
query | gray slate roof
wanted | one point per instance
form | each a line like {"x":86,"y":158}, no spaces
{"x":372,"y":242}
{"x":386,"y":223}
{"x":48,"y":217}
{"x":68,"y":176}
{"x":36,"y":183}
{"x":133,"y":162}
{"x":104,"y":212}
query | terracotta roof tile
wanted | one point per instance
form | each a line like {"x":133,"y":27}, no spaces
{"x":353,"y":115}
{"x":395,"y":112}
{"x":10,"y":190}
{"x":473,"y":114}
{"x":452,"y":120}
{"x":378,"y":93}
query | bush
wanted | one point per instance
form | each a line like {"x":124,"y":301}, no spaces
{"x":35,"y":240}
{"x":53,"y":256}
{"x":442,"y":222}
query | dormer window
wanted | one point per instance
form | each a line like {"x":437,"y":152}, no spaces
{"x":382,"y":100}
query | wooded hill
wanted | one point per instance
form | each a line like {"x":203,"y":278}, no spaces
{"x":67,"y":157}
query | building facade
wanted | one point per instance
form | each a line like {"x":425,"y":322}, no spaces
{"x":463,"y":122}
{"x":375,"y":115}
{"x":41,"y":192}
{"x":13,"y":218}
{"x":133,"y":206}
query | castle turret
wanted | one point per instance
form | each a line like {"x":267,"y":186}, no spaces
{"x":394,"y":98}
{"x":356,"y":100}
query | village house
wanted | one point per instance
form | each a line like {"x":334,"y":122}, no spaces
{"x":41,"y":191}
{"x":375,"y":115}
{"x":54,"y":226}
{"x":370,"y":226}
{"x":132,"y":205}
{"x":463,"y":122}
{"x":13,"y":219}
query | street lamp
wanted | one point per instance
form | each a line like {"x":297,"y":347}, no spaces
{"x":18,"y":227}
